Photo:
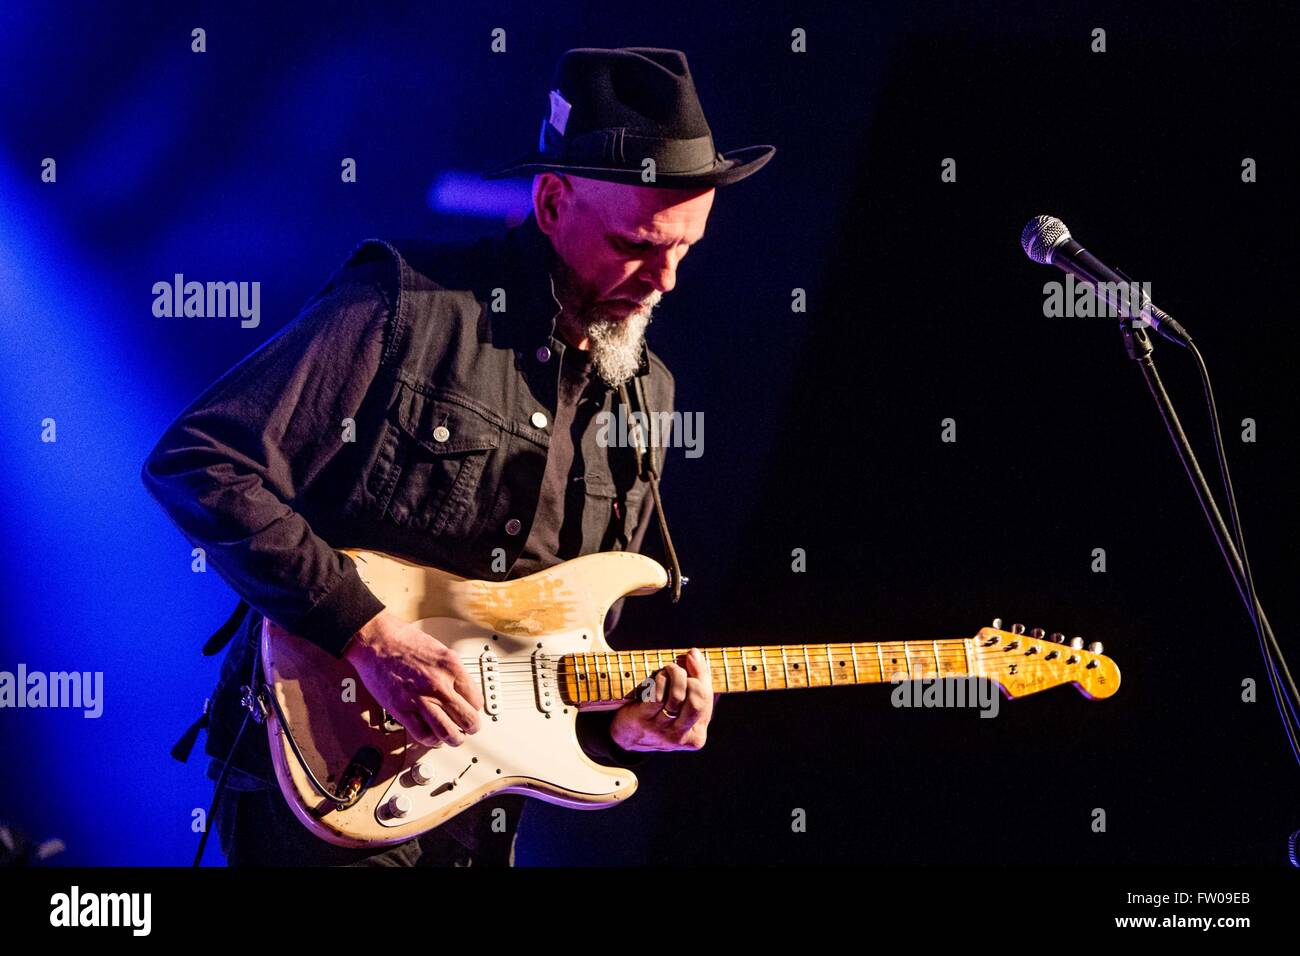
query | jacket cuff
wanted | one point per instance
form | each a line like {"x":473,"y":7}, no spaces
{"x":340,"y":613}
{"x":593,"y":735}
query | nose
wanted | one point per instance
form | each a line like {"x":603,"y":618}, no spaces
{"x":662,"y":271}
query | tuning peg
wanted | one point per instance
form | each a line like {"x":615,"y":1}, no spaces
{"x":1076,"y":642}
{"x":1037,"y":633}
{"x":1056,"y":637}
{"x":1017,"y":629}
{"x":1095,"y":647}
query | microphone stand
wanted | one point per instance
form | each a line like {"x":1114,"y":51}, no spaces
{"x":1138,"y":345}
{"x":1139,"y":348}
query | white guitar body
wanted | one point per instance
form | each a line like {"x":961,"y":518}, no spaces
{"x":509,"y":636}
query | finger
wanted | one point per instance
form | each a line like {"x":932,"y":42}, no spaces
{"x":466,"y":686}
{"x":697,"y":666}
{"x":698,"y":706}
{"x":674,"y":690}
{"x":440,"y":721}
{"x":458,"y":709}
{"x":417,"y":727}
{"x":654,"y":701}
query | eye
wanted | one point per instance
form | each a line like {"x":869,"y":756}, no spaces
{"x":634,"y":245}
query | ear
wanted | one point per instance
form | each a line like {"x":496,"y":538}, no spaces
{"x":551,"y":191}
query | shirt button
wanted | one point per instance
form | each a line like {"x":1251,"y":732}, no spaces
{"x":513,"y":526}
{"x":441,"y":434}
{"x":539,"y":420}
{"x":543,"y":354}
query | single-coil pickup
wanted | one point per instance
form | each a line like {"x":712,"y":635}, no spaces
{"x":488,"y":671}
{"x":544,"y":681}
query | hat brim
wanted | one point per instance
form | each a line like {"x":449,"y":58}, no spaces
{"x":735,"y":166}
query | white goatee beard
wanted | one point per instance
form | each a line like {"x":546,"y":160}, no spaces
{"x":615,"y":340}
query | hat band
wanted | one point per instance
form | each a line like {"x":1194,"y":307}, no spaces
{"x":620,"y":148}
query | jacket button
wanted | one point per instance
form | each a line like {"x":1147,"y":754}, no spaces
{"x":543,"y":354}
{"x":539,"y":420}
{"x":441,"y":434}
{"x":513,"y":526}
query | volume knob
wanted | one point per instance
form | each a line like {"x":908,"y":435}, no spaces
{"x":422,"y":773}
{"x":399,"y":806}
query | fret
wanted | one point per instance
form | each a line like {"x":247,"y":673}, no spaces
{"x":854,"y":652}
{"x":785,"y":667}
{"x":807,"y":665}
{"x":763,"y":657}
{"x":726,"y":672}
{"x":744,"y":668}
{"x":965,"y":649}
{"x":646,"y":657}
{"x":881,"y":658}
{"x":938,"y":668}
{"x":830,"y":665}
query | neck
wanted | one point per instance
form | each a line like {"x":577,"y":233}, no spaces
{"x":597,"y":679}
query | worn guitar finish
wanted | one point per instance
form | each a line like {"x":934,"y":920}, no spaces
{"x":536,"y":647}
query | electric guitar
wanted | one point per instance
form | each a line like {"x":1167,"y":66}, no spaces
{"x":536,"y":647}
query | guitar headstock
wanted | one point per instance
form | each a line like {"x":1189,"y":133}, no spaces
{"x":1024,"y":663}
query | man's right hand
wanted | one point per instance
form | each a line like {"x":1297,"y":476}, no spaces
{"x":416,"y":679}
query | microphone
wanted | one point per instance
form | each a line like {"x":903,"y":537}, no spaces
{"x":1046,"y":240}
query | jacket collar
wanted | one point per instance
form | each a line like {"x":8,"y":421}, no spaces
{"x":531,"y":259}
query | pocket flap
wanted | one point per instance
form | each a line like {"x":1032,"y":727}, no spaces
{"x":442,"y":426}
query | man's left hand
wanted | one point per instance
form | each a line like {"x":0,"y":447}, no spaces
{"x":676,"y":714}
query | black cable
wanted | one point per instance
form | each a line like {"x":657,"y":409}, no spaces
{"x":211,"y":819}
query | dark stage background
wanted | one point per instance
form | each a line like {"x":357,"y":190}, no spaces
{"x":822,"y":428}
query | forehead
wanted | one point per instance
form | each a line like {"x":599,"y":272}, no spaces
{"x":647,"y":212}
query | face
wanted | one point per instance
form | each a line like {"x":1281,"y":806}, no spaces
{"x":620,"y":247}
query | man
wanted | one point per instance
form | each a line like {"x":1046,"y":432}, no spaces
{"x":443,"y":404}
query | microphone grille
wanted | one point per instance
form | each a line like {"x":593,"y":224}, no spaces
{"x":1041,"y":235}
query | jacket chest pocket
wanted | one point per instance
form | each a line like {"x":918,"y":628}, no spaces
{"x":439,"y":452}
{"x":611,"y":516}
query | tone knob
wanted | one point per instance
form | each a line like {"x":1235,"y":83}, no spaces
{"x":422,"y":773}
{"x":1017,"y":629}
{"x":1076,"y":642}
{"x":1095,"y":647}
{"x":399,"y":806}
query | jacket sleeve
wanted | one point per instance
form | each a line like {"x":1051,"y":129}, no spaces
{"x":230,"y":468}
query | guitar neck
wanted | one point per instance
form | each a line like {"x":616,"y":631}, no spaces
{"x":612,"y":677}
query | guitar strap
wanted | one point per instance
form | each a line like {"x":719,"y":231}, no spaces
{"x":648,"y":471}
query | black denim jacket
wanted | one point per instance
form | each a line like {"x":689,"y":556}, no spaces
{"x":396,"y":413}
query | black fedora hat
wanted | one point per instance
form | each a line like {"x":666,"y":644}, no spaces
{"x":611,"y":110}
